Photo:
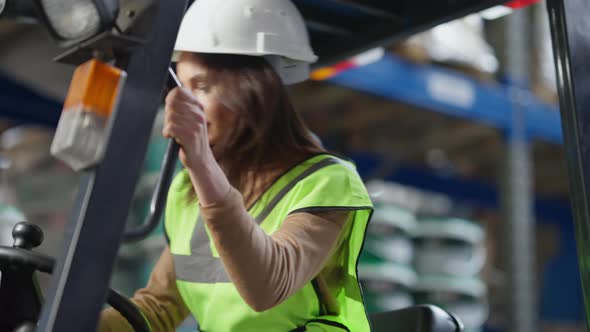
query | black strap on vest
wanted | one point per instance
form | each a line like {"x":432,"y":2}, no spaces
{"x":285,"y":190}
{"x":322,"y":321}
{"x":316,"y":288}
{"x":299,"y":329}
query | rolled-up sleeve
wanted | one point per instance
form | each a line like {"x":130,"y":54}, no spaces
{"x":267,"y":269}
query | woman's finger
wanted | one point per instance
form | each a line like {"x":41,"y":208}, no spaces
{"x":173,"y":133}
{"x":177,"y":122}
{"x":182,"y":133}
{"x":186,"y":117}
{"x":176,"y":125}
{"x":190,"y":112}
{"x":187,"y":111}
{"x":174,"y":94}
{"x":185,"y":103}
{"x":166,"y":131}
{"x":181,"y":94}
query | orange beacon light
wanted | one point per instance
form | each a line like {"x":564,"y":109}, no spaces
{"x":82,"y":130}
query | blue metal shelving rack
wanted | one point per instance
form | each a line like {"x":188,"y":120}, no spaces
{"x":444,"y":91}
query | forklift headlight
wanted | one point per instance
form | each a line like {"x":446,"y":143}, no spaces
{"x":79,"y":19}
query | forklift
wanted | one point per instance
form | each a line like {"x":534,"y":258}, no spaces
{"x":136,"y":38}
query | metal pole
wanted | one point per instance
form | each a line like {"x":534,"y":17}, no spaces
{"x":518,"y":227}
{"x":571,"y":49}
{"x":94,"y":232}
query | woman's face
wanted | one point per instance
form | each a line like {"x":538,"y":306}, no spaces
{"x":193,"y":75}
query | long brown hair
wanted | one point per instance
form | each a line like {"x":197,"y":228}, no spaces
{"x":269,"y":133}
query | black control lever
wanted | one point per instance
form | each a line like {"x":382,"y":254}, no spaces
{"x":27,"y":236}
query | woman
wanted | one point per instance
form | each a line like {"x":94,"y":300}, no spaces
{"x":264,"y":228}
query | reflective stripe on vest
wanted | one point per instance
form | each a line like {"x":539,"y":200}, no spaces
{"x":201,"y":266}
{"x":322,"y":182}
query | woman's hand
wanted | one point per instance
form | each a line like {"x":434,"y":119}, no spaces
{"x":185,"y":122}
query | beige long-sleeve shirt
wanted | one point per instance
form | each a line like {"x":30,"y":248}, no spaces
{"x":266,"y":269}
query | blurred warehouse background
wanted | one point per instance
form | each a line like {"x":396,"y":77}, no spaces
{"x":429,"y":123}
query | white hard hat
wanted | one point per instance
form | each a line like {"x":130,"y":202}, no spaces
{"x":271,"y":28}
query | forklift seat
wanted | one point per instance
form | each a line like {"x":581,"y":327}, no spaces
{"x":420,"y":318}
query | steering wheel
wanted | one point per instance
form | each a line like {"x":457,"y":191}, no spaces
{"x":20,"y":296}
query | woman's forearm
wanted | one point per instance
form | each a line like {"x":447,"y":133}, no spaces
{"x":267,"y":269}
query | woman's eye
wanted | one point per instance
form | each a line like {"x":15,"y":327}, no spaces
{"x":202,"y":87}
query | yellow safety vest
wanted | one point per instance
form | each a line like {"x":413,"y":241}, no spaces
{"x":320,"y":183}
